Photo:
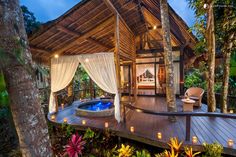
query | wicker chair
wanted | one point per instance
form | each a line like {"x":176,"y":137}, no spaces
{"x":196,"y":94}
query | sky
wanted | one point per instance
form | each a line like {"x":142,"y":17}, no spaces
{"x":46,"y":10}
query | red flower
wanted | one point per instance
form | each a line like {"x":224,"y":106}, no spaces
{"x":75,"y":146}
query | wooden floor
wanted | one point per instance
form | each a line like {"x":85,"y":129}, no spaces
{"x":146,"y":126}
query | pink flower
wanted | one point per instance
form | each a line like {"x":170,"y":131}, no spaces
{"x":75,"y":146}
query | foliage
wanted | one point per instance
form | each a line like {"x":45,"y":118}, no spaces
{"x":30,"y":22}
{"x":175,"y":144}
{"x":109,"y":152}
{"x":125,"y":151}
{"x":89,"y":134}
{"x":194,"y":78}
{"x":67,"y":130}
{"x":213,"y":150}
{"x":75,"y":146}
{"x":143,"y":153}
{"x":189,"y":152}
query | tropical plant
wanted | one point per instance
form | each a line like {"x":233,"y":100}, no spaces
{"x":75,"y":146}
{"x":189,"y":152}
{"x":125,"y":151}
{"x":109,"y":152}
{"x":143,"y":153}
{"x":212,"y":150}
{"x":89,"y":134}
{"x":67,"y":129}
{"x":194,"y":78}
{"x":30,"y":22}
{"x":175,"y":144}
{"x":166,"y":153}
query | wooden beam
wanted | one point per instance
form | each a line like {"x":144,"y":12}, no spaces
{"x":113,"y":9}
{"x":108,"y":47}
{"x":78,"y":34}
{"x":83,"y":36}
{"x":174,"y":48}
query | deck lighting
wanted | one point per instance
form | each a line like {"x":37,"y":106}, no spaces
{"x":62,"y":105}
{"x":155,"y":27}
{"x":231,"y":111}
{"x":56,"y":56}
{"x":230,"y":143}
{"x":131,"y":129}
{"x":65,"y":120}
{"x":159,"y":136}
{"x":194,"y":140}
{"x":106,"y":124}
{"x":53,"y":117}
{"x":83,"y":122}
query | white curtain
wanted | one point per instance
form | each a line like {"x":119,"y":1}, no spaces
{"x":62,"y":72}
{"x":140,"y":69}
{"x":101,"y":68}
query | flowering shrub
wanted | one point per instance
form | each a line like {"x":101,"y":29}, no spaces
{"x":75,"y":146}
{"x":125,"y":151}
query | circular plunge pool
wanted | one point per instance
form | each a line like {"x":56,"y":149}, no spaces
{"x":95,"y":108}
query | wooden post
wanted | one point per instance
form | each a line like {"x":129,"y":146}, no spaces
{"x":188,"y":128}
{"x":134,"y":79}
{"x":117,"y":56}
{"x":181,"y":70}
{"x":91,"y":88}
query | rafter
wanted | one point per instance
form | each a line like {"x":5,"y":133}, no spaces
{"x":84,"y":36}
{"x":77,"y":34}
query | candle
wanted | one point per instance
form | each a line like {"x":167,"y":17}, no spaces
{"x":53,"y":117}
{"x":159,"y":135}
{"x":231,"y":111}
{"x":65,"y":120}
{"x":131,"y":129}
{"x":194,"y":139}
{"x":106,"y":124}
{"x":83,"y":122}
{"x":62,"y":105}
{"x":230,"y":143}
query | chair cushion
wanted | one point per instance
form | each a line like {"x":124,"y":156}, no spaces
{"x":194,"y":97}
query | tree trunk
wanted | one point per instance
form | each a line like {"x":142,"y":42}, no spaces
{"x":228,"y":45}
{"x":224,"y":93}
{"x":170,"y":89}
{"x":210,"y":36}
{"x":17,"y":66}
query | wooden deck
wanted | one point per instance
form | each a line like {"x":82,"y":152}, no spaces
{"x":146,"y":126}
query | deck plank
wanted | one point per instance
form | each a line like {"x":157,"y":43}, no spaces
{"x":146,"y":126}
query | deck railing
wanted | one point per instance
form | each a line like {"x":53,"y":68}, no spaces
{"x":188,"y":115}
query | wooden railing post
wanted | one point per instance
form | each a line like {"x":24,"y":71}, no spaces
{"x":188,"y":127}
{"x":124,"y":114}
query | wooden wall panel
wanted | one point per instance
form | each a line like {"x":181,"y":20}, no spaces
{"x":127,"y":42}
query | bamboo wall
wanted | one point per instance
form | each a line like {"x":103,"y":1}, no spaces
{"x":127,"y":42}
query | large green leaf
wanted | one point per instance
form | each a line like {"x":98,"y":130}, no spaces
{"x":2,"y":82}
{"x":4,"y":98}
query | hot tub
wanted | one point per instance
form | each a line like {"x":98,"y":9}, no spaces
{"x":95,"y":108}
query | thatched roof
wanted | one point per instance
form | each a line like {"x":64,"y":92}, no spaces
{"x":89,"y":27}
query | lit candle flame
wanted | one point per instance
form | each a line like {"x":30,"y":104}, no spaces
{"x":194,"y":139}
{"x":131,"y":129}
{"x":230,"y":143}
{"x":159,"y":135}
{"x":106,"y":124}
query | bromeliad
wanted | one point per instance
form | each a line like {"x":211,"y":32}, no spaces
{"x":75,"y":146}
